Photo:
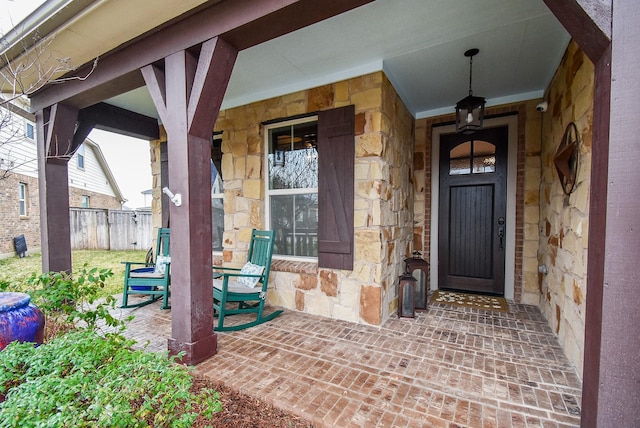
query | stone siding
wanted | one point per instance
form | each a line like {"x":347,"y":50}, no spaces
{"x":564,"y":219}
{"x":383,"y":217}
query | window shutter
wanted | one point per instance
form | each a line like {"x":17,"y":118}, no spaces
{"x":336,"y":158}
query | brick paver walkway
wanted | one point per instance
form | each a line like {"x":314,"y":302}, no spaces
{"x":448,"y":367}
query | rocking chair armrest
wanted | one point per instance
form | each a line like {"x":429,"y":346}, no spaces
{"x":138,"y":263}
{"x":229,"y":275}
{"x":226,"y":268}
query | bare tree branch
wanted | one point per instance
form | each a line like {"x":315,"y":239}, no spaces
{"x":36,"y":67}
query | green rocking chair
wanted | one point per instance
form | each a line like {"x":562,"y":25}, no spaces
{"x":152,"y":279}
{"x":246,"y":287}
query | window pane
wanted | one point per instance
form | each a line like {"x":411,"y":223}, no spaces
{"x":484,"y":157}
{"x":295,"y":220}
{"x":29,"y":131}
{"x":475,"y":157}
{"x":217,"y":218}
{"x":22,"y":199}
{"x":217,"y":208}
{"x":460,"y":159}
{"x":293,"y":157}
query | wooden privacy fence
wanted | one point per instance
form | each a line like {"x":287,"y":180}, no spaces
{"x":100,"y":229}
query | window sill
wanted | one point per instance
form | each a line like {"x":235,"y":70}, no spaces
{"x":294,"y":266}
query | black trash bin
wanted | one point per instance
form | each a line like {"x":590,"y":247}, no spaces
{"x":20,"y":244}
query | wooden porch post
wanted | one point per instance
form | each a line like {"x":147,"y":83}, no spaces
{"x":607,"y":31}
{"x":55,"y":137}
{"x":187,"y":95}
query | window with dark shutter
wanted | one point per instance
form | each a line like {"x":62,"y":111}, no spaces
{"x":336,"y":152}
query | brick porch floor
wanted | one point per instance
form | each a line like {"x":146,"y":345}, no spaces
{"x":448,"y":367}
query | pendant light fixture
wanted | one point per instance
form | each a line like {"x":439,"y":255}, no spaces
{"x":470,"y":109}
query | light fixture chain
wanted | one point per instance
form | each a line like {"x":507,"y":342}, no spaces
{"x":470,"y":74}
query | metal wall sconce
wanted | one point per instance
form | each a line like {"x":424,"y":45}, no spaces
{"x":175,"y":198}
{"x":470,"y":110}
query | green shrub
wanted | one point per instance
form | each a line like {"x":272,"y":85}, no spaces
{"x":91,"y":377}
{"x":83,"y":379}
{"x":71,"y":298}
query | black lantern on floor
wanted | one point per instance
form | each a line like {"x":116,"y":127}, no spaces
{"x":418,"y":267}
{"x":406,"y":296}
{"x":470,"y":110}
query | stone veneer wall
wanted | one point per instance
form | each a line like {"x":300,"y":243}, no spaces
{"x":156,"y":180}
{"x":564,"y":219}
{"x":527,"y":188}
{"x":383,"y":196}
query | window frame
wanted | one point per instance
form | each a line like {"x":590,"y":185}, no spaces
{"x":85,"y":201}
{"x":268,"y":193}
{"x":23,"y":199}
{"x":29,"y":131}
{"x":218,"y":196}
{"x":80,"y":158}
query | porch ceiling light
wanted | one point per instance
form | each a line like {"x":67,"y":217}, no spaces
{"x":470,"y":109}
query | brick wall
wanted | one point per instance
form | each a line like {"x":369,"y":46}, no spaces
{"x":12,"y":223}
{"x":29,"y":226}
{"x":96,"y":200}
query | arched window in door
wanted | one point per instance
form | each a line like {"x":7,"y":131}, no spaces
{"x":472,"y":157}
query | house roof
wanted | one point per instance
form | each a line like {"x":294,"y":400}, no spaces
{"x":105,"y":167}
{"x":419,"y":44}
{"x":19,"y":110}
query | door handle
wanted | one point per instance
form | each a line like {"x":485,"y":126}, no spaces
{"x":501,"y":232}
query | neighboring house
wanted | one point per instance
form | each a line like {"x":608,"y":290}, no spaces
{"x":91,"y":183}
{"x":354,"y":177}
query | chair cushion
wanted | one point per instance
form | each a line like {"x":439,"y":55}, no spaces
{"x":235,"y":287}
{"x":251,"y":269}
{"x":161,"y":266}
{"x":147,"y":272}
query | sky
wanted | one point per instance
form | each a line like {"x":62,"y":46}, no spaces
{"x":128,"y":158}
{"x":14,"y":11}
{"x":130,"y":163}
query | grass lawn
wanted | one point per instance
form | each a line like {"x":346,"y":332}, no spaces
{"x":17,"y":270}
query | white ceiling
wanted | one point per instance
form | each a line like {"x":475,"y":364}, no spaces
{"x":419,"y":44}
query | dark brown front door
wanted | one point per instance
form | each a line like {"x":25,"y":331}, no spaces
{"x":472,"y":211}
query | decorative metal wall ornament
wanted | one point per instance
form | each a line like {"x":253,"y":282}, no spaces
{"x":567,"y":158}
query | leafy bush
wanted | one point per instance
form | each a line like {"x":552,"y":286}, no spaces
{"x":83,"y":379}
{"x":71,"y":298}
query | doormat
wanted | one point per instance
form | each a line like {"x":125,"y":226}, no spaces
{"x":477,"y":301}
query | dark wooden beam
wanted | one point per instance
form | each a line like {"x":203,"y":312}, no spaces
{"x":619,"y":366}
{"x":56,"y":126}
{"x":188,"y":92}
{"x":243,"y":23}
{"x":597,"y":240}
{"x":115,"y":119}
{"x":588,"y":22}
